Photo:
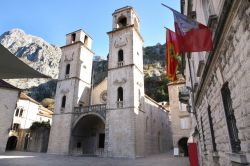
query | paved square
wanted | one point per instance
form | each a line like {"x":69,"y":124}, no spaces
{"x":15,"y":158}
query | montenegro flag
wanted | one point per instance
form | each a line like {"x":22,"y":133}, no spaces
{"x":172,"y":53}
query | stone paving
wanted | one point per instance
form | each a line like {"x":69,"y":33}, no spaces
{"x":15,"y":158}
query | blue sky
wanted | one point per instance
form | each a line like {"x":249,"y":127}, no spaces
{"x":52,"y":19}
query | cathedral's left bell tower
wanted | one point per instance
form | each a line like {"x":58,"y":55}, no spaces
{"x":73,"y":88}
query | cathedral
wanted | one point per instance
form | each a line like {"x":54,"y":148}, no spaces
{"x":115,"y":118}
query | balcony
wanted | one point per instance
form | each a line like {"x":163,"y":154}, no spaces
{"x":99,"y":109}
{"x":119,"y":104}
{"x":120,"y":64}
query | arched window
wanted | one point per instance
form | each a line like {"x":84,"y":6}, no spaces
{"x":21,"y":112}
{"x":67,"y":69}
{"x":17,"y":112}
{"x":122,"y":22}
{"x":120,"y":55}
{"x":86,"y":40}
{"x":120,"y":94}
{"x":73,"y":37}
{"x":120,"y":58}
{"x":63,"y":101}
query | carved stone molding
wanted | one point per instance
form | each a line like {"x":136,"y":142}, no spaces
{"x":69,"y":57}
{"x":120,"y":42}
{"x":65,"y":91}
{"x":120,"y":82}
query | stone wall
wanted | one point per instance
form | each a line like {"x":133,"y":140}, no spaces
{"x":7,"y":107}
{"x":231,"y":63}
{"x":158,"y":134}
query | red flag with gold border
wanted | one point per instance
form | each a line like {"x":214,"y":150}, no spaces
{"x":172,"y":53}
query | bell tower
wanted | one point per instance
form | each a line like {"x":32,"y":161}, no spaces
{"x":73,"y":88}
{"x":125,"y":93}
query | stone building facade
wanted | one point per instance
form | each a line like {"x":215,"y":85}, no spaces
{"x":9,"y":95}
{"x":221,"y":82}
{"x":115,"y":118}
{"x":27,"y":112}
{"x":180,"y":118}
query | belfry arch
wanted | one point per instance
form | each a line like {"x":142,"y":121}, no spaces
{"x":88,"y":135}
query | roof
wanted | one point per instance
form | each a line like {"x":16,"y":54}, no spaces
{"x":11,"y":67}
{"x":25,"y":97}
{"x":4,"y":84}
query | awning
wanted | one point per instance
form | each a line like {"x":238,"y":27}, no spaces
{"x":11,"y":67}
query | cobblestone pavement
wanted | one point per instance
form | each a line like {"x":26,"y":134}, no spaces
{"x":15,"y":158}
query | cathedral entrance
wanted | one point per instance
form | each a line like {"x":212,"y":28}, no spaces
{"x":88,"y":136}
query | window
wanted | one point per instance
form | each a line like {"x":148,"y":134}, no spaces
{"x":122,"y":22}
{"x":63,"y":101}
{"x":73,"y":38}
{"x":120,"y":97}
{"x":211,"y":128}
{"x":86,"y":40}
{"x":21,"y":112}
{"x":67,"y":69}
{"x":203,"y":135}
{"x":230,"y":118}
{"x":17,"y":112}
{"x":120,"y":58}
{"x":15,"y":126}
{"x":185,"y":123}
{"x":208,"y":8}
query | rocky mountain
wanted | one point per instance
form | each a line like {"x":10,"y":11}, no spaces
{"x":35,"y":52}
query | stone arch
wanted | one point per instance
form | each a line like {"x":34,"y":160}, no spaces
{"x":86,"y":114}
{"x":11,"y":143}
{"x":121,"y":21}
{"x":182,"y":144}
{"x":88,"y":135}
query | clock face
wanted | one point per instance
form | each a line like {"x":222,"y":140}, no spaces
{"x":104,"y":96}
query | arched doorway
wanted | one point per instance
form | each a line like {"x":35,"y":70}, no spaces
{"x":88,"y":136}
{"x":182,"y":143}
{"x":11,"y":143}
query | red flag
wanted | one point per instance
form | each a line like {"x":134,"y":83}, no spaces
{"x":191,"y":35}
{"x":172,"y":53}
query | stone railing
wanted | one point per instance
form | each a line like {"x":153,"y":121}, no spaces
{"x":119,"y":104}
{"x":120,"y":64}
{"x":99,"y":109}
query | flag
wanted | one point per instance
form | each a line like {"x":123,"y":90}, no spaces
{"x":192,"y":36}
{"x":172,"y":53}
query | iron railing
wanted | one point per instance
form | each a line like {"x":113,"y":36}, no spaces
{"x":231,"y":121}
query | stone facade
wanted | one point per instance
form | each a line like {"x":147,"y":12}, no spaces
{"x":115,"y":118}
{"x":221,"y":82}
{"x":180,"y":118}
{"x":9,"y":96}
{"x":26,"y":113}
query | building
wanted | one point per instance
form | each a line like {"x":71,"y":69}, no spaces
{"x":26,"y":113}
{"x":219,"y":82}
{"x":115,"y":118}
{"x":180,"y":118}
{"x":9,"y":95}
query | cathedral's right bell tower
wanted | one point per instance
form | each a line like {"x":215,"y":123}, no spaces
{"x":125,"y":118}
